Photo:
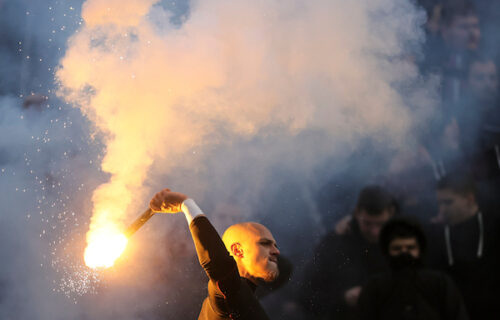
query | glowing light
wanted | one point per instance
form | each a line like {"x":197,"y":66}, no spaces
{"x":104,"y":246}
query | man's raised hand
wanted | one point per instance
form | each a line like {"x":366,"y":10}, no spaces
{"x":167,"y":201}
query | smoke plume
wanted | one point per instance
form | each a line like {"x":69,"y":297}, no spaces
{"x":157,"y":92}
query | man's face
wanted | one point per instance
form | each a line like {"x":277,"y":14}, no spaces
{"x":370,"y":225}
{"x":463,"y":33}
{"x":453,"y":207}
{"x":404,"y":245}
{"x":260,"y":254}
{"x":483,"y":80}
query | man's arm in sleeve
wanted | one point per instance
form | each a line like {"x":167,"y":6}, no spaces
{"x":212,"y":253}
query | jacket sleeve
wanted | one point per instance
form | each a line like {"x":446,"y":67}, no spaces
{"x":218,"y":264}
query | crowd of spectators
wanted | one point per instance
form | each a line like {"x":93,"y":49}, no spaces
{"x":421,"y":242}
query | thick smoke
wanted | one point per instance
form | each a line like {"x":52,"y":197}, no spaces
{"x":158,"y":93}
{"x":247,"y":106}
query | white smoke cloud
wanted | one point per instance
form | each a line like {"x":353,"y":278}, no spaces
{"x":232,"y":70}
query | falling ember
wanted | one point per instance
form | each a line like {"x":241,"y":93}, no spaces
{"x":104,"y":247}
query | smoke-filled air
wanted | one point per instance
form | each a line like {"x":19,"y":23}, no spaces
{"x":158,"y":92}
{"x":260,"y":110}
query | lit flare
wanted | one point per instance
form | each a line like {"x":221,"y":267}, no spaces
{"x":104,"y":247}
{"x":107,"y":243}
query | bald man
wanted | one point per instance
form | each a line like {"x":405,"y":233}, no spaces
{"x":247,"y":256}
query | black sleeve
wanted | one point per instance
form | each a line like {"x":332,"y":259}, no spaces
{"x":212,"y":253}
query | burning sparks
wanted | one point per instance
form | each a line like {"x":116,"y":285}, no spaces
{"x":105,"y":245}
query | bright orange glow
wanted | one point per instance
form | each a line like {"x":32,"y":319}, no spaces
{"x":104,"y":246}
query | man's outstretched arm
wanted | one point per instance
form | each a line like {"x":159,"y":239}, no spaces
{"x":212,"y":252}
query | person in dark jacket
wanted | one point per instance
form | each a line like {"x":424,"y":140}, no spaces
{"x":466,"y":242}
{"x":409,"y":291}
{"x":234,"y":275}
{"x":342,"y":263}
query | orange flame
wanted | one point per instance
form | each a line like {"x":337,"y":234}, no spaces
{"x":104,"y":246}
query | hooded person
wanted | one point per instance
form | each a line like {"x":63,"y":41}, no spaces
{"x":409,"y":290}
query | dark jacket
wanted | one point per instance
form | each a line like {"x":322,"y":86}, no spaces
{"x":477,"y":277}
{"x":229,"y":295}
{"x":411,"y":293}
{"x":340,"y":262}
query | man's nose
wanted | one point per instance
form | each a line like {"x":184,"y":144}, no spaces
{"x":275,"y":251}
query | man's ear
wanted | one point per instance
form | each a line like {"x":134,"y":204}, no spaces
{"x":237,"y":250}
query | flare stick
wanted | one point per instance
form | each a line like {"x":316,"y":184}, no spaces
{"x":139,"y":222}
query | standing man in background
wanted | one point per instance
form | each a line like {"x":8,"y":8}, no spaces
{"x":342,"y":263}
{"x":465,"y":245}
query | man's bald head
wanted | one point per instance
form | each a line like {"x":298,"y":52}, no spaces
{"x":242,"y":232}
{"x":253,"y":247}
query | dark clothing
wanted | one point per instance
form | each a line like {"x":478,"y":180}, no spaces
{"x":476,"y":275}
{"x":411,"y":293}
{"x":229,"y":295}
{"x":340,"y":262}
